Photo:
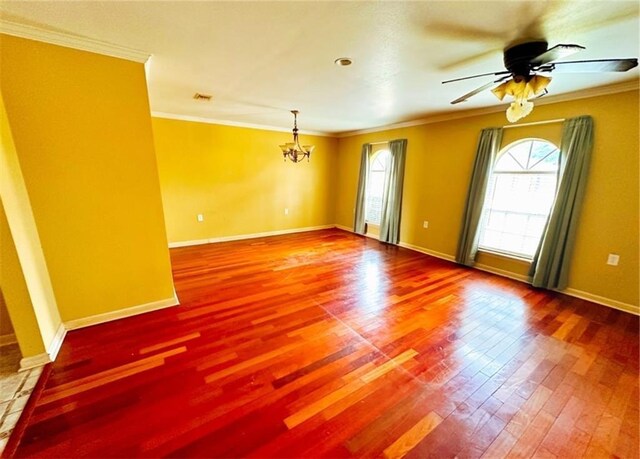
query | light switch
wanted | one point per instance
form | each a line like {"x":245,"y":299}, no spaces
{"x":613,"y":259}
{"x":286,"y":211}
{"x":425,"y":224}
{"x":200,"y":217}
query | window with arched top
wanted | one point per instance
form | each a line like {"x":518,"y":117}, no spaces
{"x":375,"y":186}
{"x":519,"y":197}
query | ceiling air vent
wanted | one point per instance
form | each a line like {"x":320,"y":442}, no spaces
{"x":204,"y":97}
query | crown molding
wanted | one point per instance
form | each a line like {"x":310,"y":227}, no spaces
{"x":436,"y":118}
{"x":201,"y":119}
{"x":72,"y":41}
{"x":628,"y":85}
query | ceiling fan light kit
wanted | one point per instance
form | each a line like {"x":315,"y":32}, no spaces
{"x":522,"y":91}
{"x":522,"y":81}
{"x":292,"y":150}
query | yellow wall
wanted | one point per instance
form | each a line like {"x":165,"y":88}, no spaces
{"x":439,"y":161}
{"x":85,"y":143}
{"x":15,"y":295}
{"x":24,"y":276}
{"x":6,"y":328}
{"x":82,"y":131}
{"x":237,"y":179}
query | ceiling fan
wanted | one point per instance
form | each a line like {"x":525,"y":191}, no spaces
{"x":522,"y":78}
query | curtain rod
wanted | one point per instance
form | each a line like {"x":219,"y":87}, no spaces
{"x":378,"y":143}
{"x":535,"y":123}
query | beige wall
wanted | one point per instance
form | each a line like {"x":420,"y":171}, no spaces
{"x":439,"y":161}
{"x":237,"y":179}
{"x":82,"y":132}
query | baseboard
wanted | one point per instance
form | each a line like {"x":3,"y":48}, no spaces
{"x":433,"y":253}
{"x":633,"y":309}
{"x":502,"y":272}
{"x":444,"y":256}
{"x":38,"y":360}
{"x":350,"y":230}
{"x":568,"y":291}
{"x":56,"y":342}
{"x":240,"y":237}
{"x":5,"y":340}
{"x":630,"y":308}
{"x":121,"y":314}
{"x":406,"y":245}
{"x":174,"y":245}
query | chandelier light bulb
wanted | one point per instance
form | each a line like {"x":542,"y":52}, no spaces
{"x":292,"y":150}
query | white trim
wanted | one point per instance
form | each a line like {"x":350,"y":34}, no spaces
{"x":602,"y":300}
{"x":436,"y":118}
{"x":241,"y":237}
{"x":201,"y":119}
{"x":523,"y":278}
{"x":8,"y":339}
{"x":406,"y":245}
{"x":122,"y":313}
{"x":568,"y":291}
{"x":72,"y":41}
{"x":628,"y":85}
{"x":624,"y":86}
{"x":349,"y":230}
{"x":433,"y":253}
{"x":502,"y":272}
{"x":174,"y":245}
{"x":38,"y":360}
{"x":56,"y":342}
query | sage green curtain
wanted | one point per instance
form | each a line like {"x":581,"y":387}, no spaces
{"x":359,"y":224}
{"x":550,"y":265}
{"x":488,"y":147}
{"x":392,"y":194}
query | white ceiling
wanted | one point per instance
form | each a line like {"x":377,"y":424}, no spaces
{"x":261,"y":59}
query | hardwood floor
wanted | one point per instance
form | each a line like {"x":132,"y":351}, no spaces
{"x":329,"y":344}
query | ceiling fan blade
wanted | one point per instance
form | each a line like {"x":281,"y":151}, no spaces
{"x":555,"y":53}
{"x":479,"y":90}
{"x":504,"y":72}
{"x":599,"y":65}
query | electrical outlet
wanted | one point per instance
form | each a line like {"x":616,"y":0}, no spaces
{"x":613,"y":259}
{"x":425,"y":224}
{"x":286,"y":211}
{"x":200,"y":217}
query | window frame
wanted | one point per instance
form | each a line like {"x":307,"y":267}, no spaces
{"x":483,"y":218}
{"x":384,"y":150}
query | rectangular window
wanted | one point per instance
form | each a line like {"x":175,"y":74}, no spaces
{"x":374,"y":197}
{"x":375,"y":186}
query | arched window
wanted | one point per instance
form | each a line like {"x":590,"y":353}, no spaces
{"x":375,"y":186}
{"x":519,"y":197}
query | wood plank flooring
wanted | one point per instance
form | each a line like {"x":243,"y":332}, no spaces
{"x":327,"y":344}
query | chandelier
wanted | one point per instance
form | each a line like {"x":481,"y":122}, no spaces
{"x":293,"y":150}
{"x":522,"y":89}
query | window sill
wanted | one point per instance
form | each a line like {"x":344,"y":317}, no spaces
{"x":510,"y":256}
